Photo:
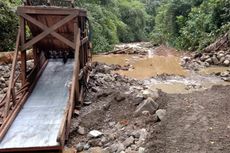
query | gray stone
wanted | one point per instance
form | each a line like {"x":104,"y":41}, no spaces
{"x":97,"y":150}
{"x":222,"y":59}
{"x":81,"y":130}
{"x":227,"y":79}
{"x":215,"y":60}
{"x":128,"y":142}
{"x":95,"y":134}
{"x":224,"y":74}
{"x":143,"y":135}
{"x":148,"y":105}
{"x":150,"y":93}
{"x":220,"y":55}
{"x":226,"y":62}
{"x":120,"y":147}
{"x":80,"y":147}
{"x":209,"y":60}
{"x":161,"y":113}
{"x":141,"y":150}
{"x":86,"y":146}
{"x":136,"y":134}
{"x":113,"y":148}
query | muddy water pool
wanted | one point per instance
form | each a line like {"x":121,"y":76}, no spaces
{"x":149,"y":68}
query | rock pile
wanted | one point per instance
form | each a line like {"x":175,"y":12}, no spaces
{"x":5,"y":70}
{"x":217,"y":53}
{"x":224,"y":75}
{"x":199,"y":60}
{"x":119,"y":116}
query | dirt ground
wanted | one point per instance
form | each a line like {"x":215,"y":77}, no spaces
{"x":198,"y":122}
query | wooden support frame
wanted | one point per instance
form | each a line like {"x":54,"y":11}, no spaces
{"x":14,"y":100}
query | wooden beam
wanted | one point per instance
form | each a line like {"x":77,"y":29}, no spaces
{"x":49,"y":10}
{"x":75,"y":81}
{"x":47,"y":31}
{"x":23,"y":53}
{"x":11,"y":80}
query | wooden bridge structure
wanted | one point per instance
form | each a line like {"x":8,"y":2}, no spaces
{"x":37,"y":116}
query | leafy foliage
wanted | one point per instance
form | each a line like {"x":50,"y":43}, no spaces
{"x":8,"y":26}
{"x":185,"y":24}
{"x":191,"y":24}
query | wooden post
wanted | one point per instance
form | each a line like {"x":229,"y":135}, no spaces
{"x":23,"y":53}
{"x":11,"y":81}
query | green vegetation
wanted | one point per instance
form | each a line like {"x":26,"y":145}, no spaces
{"x":185,"y":24}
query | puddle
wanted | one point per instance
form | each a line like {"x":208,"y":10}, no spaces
{"x":145,"y":67}
{"x":213,"y":70}
{"x":163,"y":60}
{"x":183,"y":85}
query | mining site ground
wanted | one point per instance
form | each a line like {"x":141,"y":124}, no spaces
{"x":150,"y":99}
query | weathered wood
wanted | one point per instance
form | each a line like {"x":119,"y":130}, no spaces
{"x":47,"y":30}
{"x":12,"y":76}
{"x":75,"y":81}
{"x":50,"y":11}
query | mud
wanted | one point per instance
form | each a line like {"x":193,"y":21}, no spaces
{"x":196,"y":122}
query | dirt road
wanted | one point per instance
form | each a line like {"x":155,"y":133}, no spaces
{"x":195,"y":123}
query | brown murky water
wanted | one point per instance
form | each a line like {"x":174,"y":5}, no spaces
{"x":145,"y":67}
{"x":212,"y":70}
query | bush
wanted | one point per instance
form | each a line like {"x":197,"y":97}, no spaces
{"x":8,"y":26}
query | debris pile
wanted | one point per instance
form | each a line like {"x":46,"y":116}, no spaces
{"x":141,"y":48}
{"x":5,"y":70}
{"x":217,"y":54}
{"x":118,"y":114}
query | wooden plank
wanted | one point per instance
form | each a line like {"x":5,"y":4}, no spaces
{"x":50,"y":10}
{"x":12,"y":75}
{"x":47,"y":30}
{"x":84,"y":40}
{"x":75,"y":81}
{"x":23,"y":53}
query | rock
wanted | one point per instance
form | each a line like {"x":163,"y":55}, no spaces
{"x":215,"y":60}
{"x":186,"y":58}
{"x":5,"y":90}
{"x":81,"y":130}
{"x":161,"y":113}
{"x":86,"y":146}
{"x":141,"y":150}
{"x":220,"y":55}
{"x":95,"y":134}
{"x":80,"y":147}
{"x":222,"y":59}
{"x":128,"y":142}
{"x":120,"y":147}
{"x":150,"y":93}
{"x":97,"y":150}
{"x":113,"y":148}
{"x":226,"y":62}
{"x":111,"y":124}
{"x":136,"y":134}
{"x":227,"y":79}
{"x":143,"y":135}
{"x":148,"y":105}
{"x":206,"y":64}
{"x":87,"y":103}
{"x":209,"y":60}
{"x":119,"y":98}
{"x":224,"y":74}
{"x":95,"y":142}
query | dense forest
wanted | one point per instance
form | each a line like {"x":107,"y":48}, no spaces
{"x":184,"y":24}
